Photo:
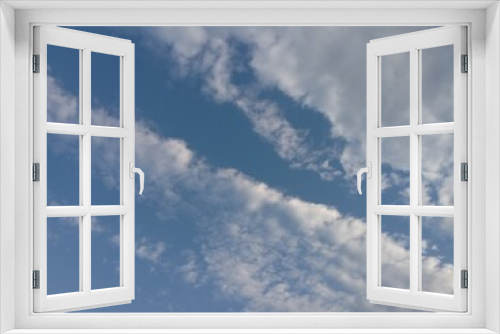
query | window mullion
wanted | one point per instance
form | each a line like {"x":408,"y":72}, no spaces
{"x":414,"y":171}
{"x":85,"y":165}
{"x":80,"y":122}
{"x":418,"y":177}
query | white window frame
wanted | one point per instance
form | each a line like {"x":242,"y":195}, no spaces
{"x":413,"y":44}
{"x":85,"y":43}
{"x":482,"y":19}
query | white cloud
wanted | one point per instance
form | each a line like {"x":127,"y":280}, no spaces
{"x":437,"y":168}
{"x":210,"y":55}
{"x":191,"y":271}
{"x":262,"y":248}
{"x":150,"y":251}
{"x":62,"y":106}
{"x":96,"y":225}
{"x":322,"y":68}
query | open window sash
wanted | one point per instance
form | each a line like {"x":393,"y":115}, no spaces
{"x":86,"y":297}
{"x":414,"y":43}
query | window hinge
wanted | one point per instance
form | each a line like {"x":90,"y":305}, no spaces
{"x":465,"y":64}
{"x":465,"y":279}
{"x":36,"y":279}
{"x":464,"y":172}
{"x":36,"y":172}
{"x":36,"y":63}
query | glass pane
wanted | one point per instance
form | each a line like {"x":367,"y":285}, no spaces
{"x":105,"y":171}
{"x":63,"y":84}
{"x":437,"y":254}
{"x":437,"y":84}
{"x":437,"y":169}
{"x":105,"y":252}
{"x":395,"y":252}
{"x":105,"y":89}
{"x":63,"y":255}
{"x":395,"y":89}
{"x":63,"y":170}
{"x":395,"y":167}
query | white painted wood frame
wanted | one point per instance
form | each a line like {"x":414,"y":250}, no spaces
{"x":413,"y":44}
{"x":27,"y":19}
{"x":483,"y":20}
{"x":7,"y":167}
{"x":86,"y":43}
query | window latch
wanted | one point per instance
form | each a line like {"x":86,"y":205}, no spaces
{"x":139,"y":171}
{"x":368,"y":171}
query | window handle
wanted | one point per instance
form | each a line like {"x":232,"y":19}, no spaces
{"x":368,"y":171}
{"x":141,"y":175}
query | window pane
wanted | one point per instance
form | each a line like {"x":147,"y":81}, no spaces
{"x":395,"y":163}
{"x":63,"y":170}
{"x":105,"y":89}
{"x":437,"y":254}
{"x":437,"y":169}
{"x":63,"y":255}
{"x":63,"y":84}
{"x":395,"y":252}
{"x":105,"y":252}
{"x":395,"y":89}
{"x":437,"y":84}
{"x":105,"y":171}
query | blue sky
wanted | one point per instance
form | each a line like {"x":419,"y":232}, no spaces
{"x":250,"y":138}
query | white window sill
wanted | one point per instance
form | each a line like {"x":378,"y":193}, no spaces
{"x":251,"y":331}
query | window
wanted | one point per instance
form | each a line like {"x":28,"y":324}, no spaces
{"x":416,"y":138}
{"x":80,"y":208}
{"x":483,"y":239}
{"x":276,"y":229}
